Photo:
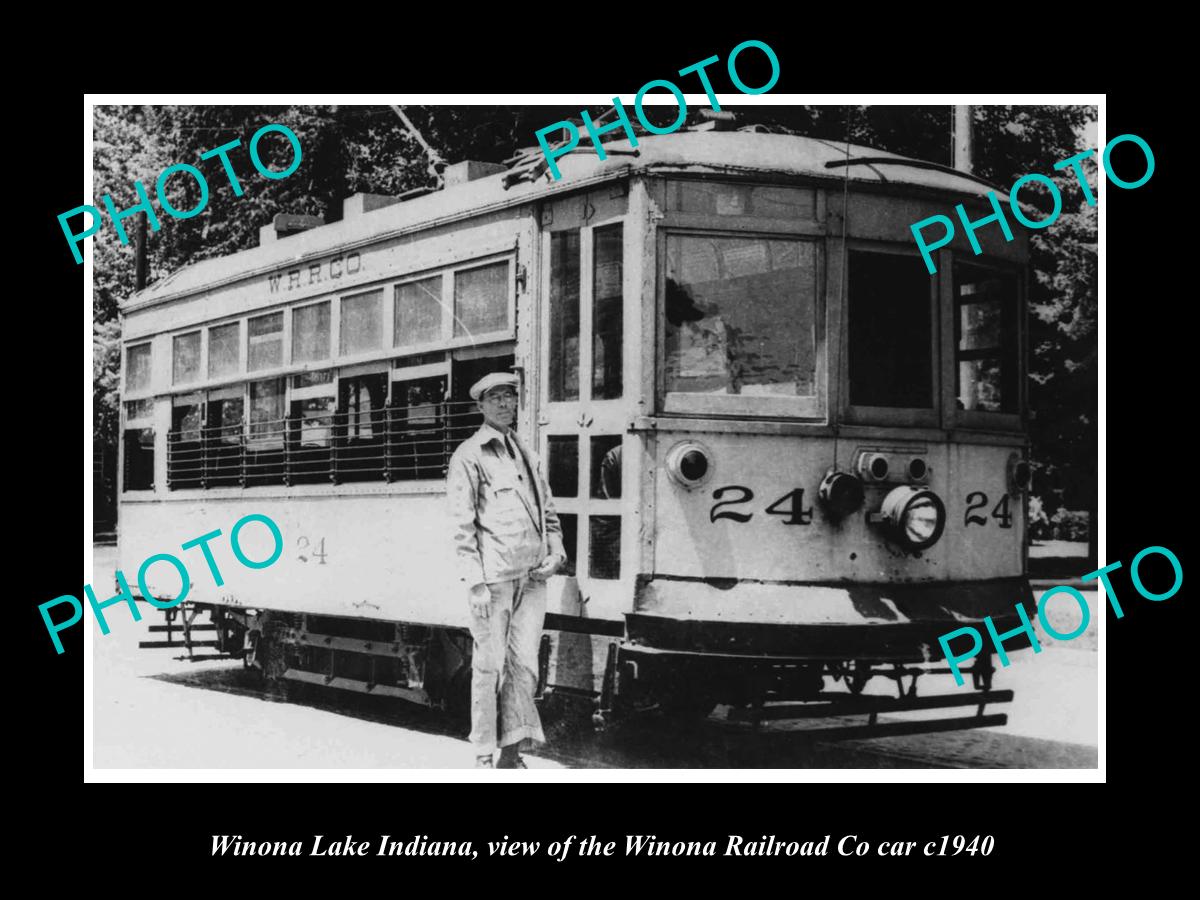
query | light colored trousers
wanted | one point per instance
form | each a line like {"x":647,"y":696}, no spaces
{"x":504,"y":666}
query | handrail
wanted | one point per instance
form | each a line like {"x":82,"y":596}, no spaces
{"x":379,"y":444}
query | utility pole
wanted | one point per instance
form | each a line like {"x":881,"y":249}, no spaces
{"x":961,"y":144}
{"x":139,"y":264}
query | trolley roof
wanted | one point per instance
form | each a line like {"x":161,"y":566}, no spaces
{"x":738,"y":153}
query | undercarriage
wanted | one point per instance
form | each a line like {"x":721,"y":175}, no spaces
{"x":431,"y":665}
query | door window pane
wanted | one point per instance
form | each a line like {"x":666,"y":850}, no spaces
{"x":604,"y":552}
{"x":986,"y":323}
{"x":570,"y":539}
{"x":606,"y":467}
{"x":607,"y":279}
{"x":890,"y":331}
{"x":362,"y":323}
{"x":266,"y":342}
{"x":137,"y":367}
{"x":224,"y":349}
{"x":418,"y":315}
{"x":186,"y":358}
{"x":564,"y":315}
{"x":310,"y":333}
{"x":481,"y":300}
{"x":741,"y":316}
{"x":563,"y":465}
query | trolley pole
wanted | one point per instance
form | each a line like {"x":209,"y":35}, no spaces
{"x":961,"y":148}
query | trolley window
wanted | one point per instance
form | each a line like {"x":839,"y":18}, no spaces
{"x":186,"y":358}
{"x":266,"y":411}
{"x":310,"y":427}
{"x":139,"y":410}
{"x":361,"y":426}
{"x":264,"y":446}
{"x":223,"y":437}
{"x":137,"y":368}
{"x":266,"y":342}
{"x":185,"y":462}
{"x":423,"y":428}
{"x":481,"y":300}
{"x":361,"y":326}
{"x":740,"y":331}
{"x":138,"y":441}
{"x":985,"y":304}
{"x":418,"y":314}
{"x":139,"y":459}
{"x":709,"y":198}
{"x":310,"y":333}
{"x":890,"y":331}
{"x":224,"y":350}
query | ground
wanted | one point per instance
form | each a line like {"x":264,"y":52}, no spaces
{"x":152,"y":710}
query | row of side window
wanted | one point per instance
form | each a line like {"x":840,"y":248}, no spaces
{"x":476,"y":299}
{"x":328,"y":426}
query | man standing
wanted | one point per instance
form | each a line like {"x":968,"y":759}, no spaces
{"x":508,"y":541}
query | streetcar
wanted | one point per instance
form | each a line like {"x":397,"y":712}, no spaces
{"x":786,"y":457}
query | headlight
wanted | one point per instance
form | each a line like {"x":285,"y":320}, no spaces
{"x":915,"y":516}
{"x":689,"y":463}
{"x":841,"y":493}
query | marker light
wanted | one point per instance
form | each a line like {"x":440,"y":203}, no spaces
{"x":841,"y":492}
{"x":918,"y":469}
{"x":915,"y":516}
{"x":689,"y":463}
{"x":1019,"y":474}
{"x":873,"y":466}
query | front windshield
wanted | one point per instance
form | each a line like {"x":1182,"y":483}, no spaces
{"x":740,"y":316}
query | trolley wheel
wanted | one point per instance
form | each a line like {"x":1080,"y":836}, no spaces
{"x":858,"y":678}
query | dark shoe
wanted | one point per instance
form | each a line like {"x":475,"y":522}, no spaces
{"x":484,"y":762}
{"x":511,"y":762}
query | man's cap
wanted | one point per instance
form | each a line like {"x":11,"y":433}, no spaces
{"x":493,"y":380}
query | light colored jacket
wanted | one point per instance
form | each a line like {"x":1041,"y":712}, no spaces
{"x":498,"y":534}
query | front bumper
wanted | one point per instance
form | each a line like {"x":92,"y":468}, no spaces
{"x":870,"y":622}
